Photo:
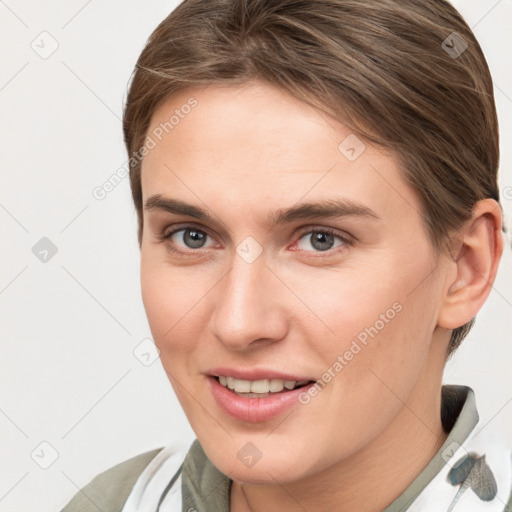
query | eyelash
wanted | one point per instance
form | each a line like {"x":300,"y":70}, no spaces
{"x":347,"y":241}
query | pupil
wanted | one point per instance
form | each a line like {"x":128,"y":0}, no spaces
{"x":322,"y":241}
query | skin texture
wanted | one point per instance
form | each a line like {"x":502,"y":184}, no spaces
{"x":246,"y":151}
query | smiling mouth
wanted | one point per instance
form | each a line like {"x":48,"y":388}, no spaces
{"x":259,"y":388}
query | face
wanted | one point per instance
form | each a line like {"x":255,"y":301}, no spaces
{"x":279,"y":250}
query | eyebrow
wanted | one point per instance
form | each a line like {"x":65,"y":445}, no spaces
{"x":330,"y":208}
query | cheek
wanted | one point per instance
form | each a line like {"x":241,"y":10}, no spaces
{"x":349,"y":302}
{"x":159,"y":297}
{"x":172,"y":303}
{"x":172,"y":311}
{"x":380,"y":316}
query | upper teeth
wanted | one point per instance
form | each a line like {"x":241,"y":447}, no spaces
{"x":259,"y":386}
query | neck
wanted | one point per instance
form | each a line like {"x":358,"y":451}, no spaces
{"x":376,"y":475}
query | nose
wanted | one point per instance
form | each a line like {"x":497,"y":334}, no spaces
{"x":250,"y":310}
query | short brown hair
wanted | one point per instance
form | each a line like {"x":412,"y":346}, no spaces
{"x":406,"y":75}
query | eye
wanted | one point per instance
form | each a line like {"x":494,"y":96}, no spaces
{"x":188,"y":237}
{"x":322,"y":240}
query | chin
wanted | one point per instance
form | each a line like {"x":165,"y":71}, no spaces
{"x":264,"y":470}
{"x":260,"y":474}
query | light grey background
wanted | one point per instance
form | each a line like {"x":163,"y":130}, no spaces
{"x":69,"y":326}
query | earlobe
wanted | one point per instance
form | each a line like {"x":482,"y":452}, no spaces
{"x":476,"y":261}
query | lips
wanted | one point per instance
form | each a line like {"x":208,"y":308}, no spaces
{"x":251,"y":398}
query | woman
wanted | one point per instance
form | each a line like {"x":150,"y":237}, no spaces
{"x":319,"y":224}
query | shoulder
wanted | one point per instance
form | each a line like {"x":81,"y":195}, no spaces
{"x":109,"y":490}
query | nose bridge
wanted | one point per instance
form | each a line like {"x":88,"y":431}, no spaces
{"x":246,"y":309}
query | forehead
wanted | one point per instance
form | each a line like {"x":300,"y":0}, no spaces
{"x":257,"y":142}
{"x":250,"y":118}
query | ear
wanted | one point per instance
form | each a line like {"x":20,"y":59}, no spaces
{"x":475,"y":262}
